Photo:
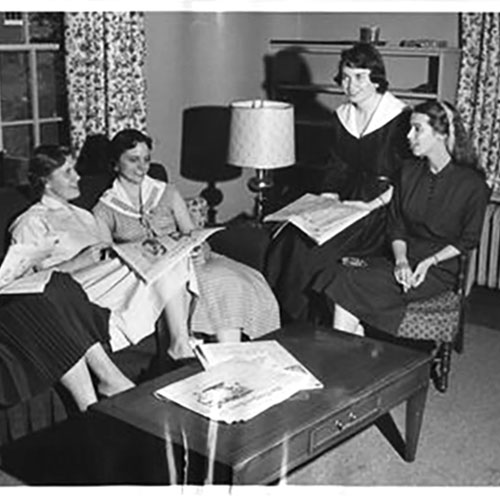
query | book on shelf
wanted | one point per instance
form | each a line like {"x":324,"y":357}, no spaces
{"x":151,"y":257}
{"x":321,"y":216}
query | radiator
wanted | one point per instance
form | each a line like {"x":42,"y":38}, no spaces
{"x":485,"y":265}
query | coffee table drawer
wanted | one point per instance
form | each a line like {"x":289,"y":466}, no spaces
{"x":340,"y":424}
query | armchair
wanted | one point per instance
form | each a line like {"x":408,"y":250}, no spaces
{"x":436,"y":323}
{"x":440,"y":320}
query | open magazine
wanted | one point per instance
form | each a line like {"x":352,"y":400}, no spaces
{"x":231,"y":390}
{"x":320,"y":217}
{"x":16,"y":271}
{"x":269,"y":352}
{"x":153,"y":256}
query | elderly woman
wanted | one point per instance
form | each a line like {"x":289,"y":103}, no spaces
{"x":233,"y":298}
{"x":436,"y":214}
{"x":367,"y":142}
{"x":77,"y":244}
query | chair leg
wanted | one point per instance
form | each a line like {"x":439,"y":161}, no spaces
{"x":442,"y":367}
{"x":458,"y":344}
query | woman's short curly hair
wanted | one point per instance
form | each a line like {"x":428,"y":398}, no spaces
{"x":364,"y":56}
{"x":45,"y":159}
{"x":127,"y":139}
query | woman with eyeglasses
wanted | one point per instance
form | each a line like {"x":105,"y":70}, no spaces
{"x":368,"y":140}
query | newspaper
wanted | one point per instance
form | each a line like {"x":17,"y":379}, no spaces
{"x":233,"y":391}
{"x":151,"y":257}
{"x":320,"y":217}
{"x":269,"y":352}
{"x":16,"y":271}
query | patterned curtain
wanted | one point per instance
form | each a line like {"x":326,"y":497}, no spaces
{"x":105,"y":54}
{"x":478,"y":97}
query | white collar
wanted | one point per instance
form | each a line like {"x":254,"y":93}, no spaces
{"x":116,"y":197}
{"x":388,"y":108}
{"x":71,"y":210}
{"x":55,"y":203}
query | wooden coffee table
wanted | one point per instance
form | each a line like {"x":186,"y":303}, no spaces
{"x":363,"y":378}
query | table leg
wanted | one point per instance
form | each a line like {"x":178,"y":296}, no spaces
{"x":414,"y":415}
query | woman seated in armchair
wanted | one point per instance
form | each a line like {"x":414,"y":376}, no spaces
{"x":436,"y":214}
{"x":78,"y":244}
{"x":233,"y":298}
{"x":367,"y":141}
{"x":55,"y":335}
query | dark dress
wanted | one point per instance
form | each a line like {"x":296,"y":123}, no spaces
{"x":42,"y":335}
{"x":428,"y":211}
{"x":357,"y":168}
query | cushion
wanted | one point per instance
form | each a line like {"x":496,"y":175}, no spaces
{"x":434,"y":319}
{"x":12,"y":203}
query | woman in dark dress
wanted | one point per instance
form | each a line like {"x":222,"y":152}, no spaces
{"x":368,"y":140}
{"x":436,"y":214}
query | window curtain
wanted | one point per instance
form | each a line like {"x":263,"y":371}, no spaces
{"x":478,"y":95}
{"x":105,"y":54}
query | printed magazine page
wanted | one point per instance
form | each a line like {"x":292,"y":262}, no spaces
{"x":16,"y":274}
{"x":153,"y":256}
{"x":233,"y":391}
{"x":320,"y":217}
{"x":270,"y":352}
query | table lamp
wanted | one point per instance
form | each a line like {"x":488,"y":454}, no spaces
{"x":261,"y":136}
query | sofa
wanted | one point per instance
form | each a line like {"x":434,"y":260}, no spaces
{"x":139,"y":362}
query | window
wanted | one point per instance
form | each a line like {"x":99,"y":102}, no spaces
{"x":33,"y":106}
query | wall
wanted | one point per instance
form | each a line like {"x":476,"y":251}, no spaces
{"x":197,"y":59}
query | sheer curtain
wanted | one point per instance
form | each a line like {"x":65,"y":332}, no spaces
{"x":105,"y":53}
{"x":478,"y":97}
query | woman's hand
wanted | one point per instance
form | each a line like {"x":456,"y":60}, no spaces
{"x":92,"y":254}
{"x":403,"y":274}
{"x":421,"y":272}
{"x":332,"y":196}
{"x":362,"y":205}
{"x":201,"y":253}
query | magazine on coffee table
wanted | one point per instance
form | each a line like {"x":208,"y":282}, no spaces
{"x":269,"y":352}
{"x":321,"y":217}
{"x":234,"y":391}
{"x":151,"y":257}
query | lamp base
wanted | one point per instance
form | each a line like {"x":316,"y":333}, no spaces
{"x":214,"y":196}
{"x":260,"y":185}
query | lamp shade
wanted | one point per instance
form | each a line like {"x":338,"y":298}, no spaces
{"x":261,"y":134}
{"x":205,"y":140}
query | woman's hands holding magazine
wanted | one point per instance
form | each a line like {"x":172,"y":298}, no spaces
{"x":86,"y":257}
{"x":201,"y":253}
{"x":379,"y":201}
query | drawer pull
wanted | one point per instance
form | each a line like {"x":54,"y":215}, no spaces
{"x":328,"y":432}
